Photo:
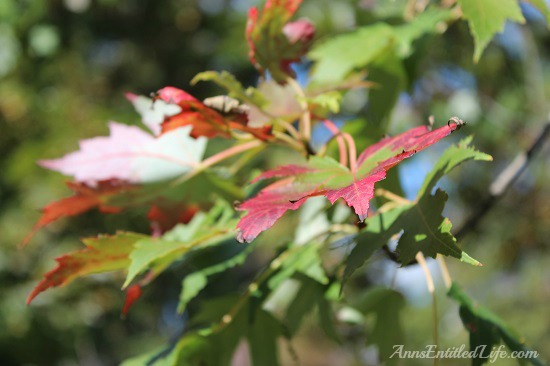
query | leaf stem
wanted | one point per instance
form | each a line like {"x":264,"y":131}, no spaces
{"x":391,"y":196}
{"x":216,"y":158}
{"x":431,"y":289}
{"x":339,"y":139}
{"x":305,"y":120}
{"x":289,"y":140}
{"x":352,"y":152}
{"x":445,"y":271}
{"x":289,"y":128}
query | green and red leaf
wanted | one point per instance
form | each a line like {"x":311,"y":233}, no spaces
{"x":102,"y":254}
{"x":325,"y":176}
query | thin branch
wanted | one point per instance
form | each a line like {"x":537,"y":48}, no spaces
{"x":496,"y":190}
{"x":305,"y":120}
{"x":504,"y":181}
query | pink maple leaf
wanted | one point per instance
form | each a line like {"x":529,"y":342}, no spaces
{"x":131,"y":155}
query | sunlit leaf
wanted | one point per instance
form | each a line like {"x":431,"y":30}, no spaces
{"x":487,"y":17}
{"x":204,"y":121}
{"x":102,"y":254}
{"x":324,"y":176}
{"x":341,"y":55}
{"x":201,"y":231}
{"x":131,"y":155}
{"x":424,"y":227}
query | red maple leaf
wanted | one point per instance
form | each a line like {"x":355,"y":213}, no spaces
{"x":325,"y":176}
{"x":85,"y":199}
{"x":205,"y":121}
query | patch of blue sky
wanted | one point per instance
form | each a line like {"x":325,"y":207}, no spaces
{"x":511,"y":40}
{"x":531,"y":13}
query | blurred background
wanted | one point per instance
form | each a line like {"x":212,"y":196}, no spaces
{"x":64,"y":68}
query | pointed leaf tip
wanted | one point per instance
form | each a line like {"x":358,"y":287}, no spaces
{"x":467,"y":259}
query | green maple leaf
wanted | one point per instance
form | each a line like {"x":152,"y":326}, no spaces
{"x":202,"y":231}
{"x":339,"y":56}
{"x":487,"y":17}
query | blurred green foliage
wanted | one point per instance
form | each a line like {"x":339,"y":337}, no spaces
{"x":64,"y":68}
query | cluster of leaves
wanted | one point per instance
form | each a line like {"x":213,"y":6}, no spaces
{"x":188,"y":197}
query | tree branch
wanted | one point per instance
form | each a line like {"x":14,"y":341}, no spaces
{"x":504,"y":181}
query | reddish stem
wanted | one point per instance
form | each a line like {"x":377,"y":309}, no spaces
{"x":214,"y":159}
{"x":339,"y":139}
{"x":352,"y":152}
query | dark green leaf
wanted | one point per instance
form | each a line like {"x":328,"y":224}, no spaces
{"x":486,"y":328}
{"x":427,"y":231}
{"x":193,"y":283}
{"x":450,"y":159}
{"x":375,"y":236}
{"x":386,"y":305}
{"x":311,"y":295}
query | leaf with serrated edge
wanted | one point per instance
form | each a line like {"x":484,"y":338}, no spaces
{"x":102,"y":254}
{"x":338,"y":57}
{"x":203,"y":230}
{"x":427,"y":231}
{"x":325,"y":176}
{"x":431,"y":231}
{"x":487,"y":17}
